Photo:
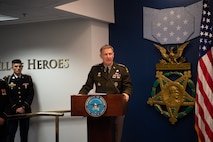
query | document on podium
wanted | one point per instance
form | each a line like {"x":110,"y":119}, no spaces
{"x":98,"y":94}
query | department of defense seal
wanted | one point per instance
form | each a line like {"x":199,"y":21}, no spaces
{"x":95,"y":106}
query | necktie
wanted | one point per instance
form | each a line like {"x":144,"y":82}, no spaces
{"x":107,"y":69}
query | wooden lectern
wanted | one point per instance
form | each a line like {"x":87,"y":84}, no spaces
{"x":100,"y":129}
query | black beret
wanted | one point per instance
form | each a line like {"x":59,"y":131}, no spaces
{"x":16,"y":61}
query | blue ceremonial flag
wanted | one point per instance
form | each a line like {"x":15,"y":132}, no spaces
{"x":174,"y":25}
{"x":204,"y":88}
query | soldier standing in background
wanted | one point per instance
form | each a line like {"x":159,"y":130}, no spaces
{"x":4,"y":102}
{"x":21,"y":96}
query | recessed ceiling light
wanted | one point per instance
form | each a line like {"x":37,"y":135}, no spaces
{"x":7,"y":18}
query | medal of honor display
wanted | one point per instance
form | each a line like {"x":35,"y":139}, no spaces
{"x":173,"y":93}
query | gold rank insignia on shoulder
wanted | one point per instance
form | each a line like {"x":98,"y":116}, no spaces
{"x":173,"y":92}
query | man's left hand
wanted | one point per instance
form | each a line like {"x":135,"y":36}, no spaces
{"x":126,"y":97}
{"x":20,"y":110}
{"x":1,"y":121}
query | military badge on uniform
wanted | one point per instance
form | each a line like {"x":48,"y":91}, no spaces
{"x":116,"y":74}
{"x":98,"y":84}
{"x":11,"y":85}
{"x":95,"y":106}
{"x":99,"y":74}
{"x":116,"y":84}
{"x":25,"y":85}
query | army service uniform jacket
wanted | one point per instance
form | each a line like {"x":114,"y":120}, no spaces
{"x":116,"y":82}
{"x":4,"y":102}
{"x":21,"y":92}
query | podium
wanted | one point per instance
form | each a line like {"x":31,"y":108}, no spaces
{"x":100,"y":129}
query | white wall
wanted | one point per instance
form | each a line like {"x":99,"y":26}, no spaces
{"x":76,"y":40}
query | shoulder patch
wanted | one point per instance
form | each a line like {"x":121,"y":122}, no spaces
{"x":122,"y":65}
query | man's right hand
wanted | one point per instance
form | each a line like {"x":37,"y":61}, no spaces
{"x":79,"y":94}
{"x":2,"y":121}
{"x":20,"y":110}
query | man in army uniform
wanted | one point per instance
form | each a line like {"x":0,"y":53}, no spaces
{"x":21,"y":96}
{"x":4,"y":102}
{"x":110,"y":78}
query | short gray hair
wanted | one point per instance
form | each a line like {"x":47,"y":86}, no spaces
{"x":106,"y":46}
